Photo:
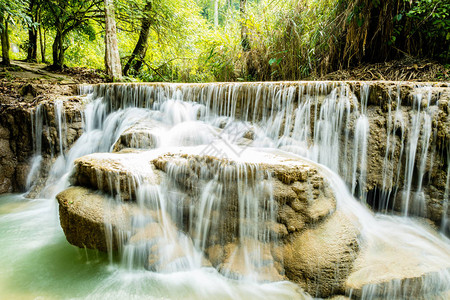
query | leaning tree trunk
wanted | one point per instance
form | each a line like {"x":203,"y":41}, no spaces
{"x":112,"y":58}
{"x":141,"y":46}
{"x":245,"y":42}
{"x":4,"y":40}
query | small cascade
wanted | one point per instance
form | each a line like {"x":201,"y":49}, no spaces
{"x":251,"y":256}
{"x":394,"y":124}
{"x":61,"y":125}
{"x":101,"y":131}
{"x":212,"y":220}
{"x":37,"y":119}
{"x":158,"y":244}
{"x":420,"y":133}
{"x":360,"y":147}
{"x":333,"y":120}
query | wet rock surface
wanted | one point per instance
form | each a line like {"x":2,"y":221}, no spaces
{"x":143,"y":135}
{"x":15,"y":147}
{"x":387,"y":271}
{"x":120,"y":173}
{"x":303,"y":206}
{"x":85,"y":216}
{"x":321,"y":258}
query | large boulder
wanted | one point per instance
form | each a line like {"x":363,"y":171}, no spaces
{"x":96,"y":221}
{"x":91,"y":220}
{"x":320,"y":259}
{"x":292,"y":191}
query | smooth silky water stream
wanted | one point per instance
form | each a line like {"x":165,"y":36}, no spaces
{"x":37,"y":261}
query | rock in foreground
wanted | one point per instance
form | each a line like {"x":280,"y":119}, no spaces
{"x":266,"y":213}
{"x":85,"y":216}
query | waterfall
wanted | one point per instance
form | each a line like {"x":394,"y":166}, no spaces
{"x":325,"y":122}
{"x":332,"y":126}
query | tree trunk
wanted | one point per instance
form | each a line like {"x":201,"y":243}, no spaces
{"x":32,"y":33}
{"x":32,"y":44}
{"x":5,"y":40}
{"x":58,"y":51}
{"x":61,"y":52}
{"x":141,"y":46}
{"x":55,"y":51}
{"x":112,"y":58}
{"x":245,"y":42}
{"x":42,"y":42}
{"x":216,"y":13}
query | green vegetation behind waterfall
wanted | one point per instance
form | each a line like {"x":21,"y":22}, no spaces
{"x":228,"y":40}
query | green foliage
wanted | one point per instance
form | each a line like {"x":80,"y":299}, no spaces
{"x":85,"y":47}
{"x":88,"y":31}
{"x":66,"y":16}
{"x":432,"y":18}
{"x":289,"y":39}
{"x":14,"y":10}
{"x":220,"y":55}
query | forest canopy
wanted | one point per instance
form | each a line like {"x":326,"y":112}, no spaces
{"x":226,"y":40}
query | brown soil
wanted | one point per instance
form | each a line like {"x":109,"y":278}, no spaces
{"x":29,"y":83}
{"x":408,"y":69}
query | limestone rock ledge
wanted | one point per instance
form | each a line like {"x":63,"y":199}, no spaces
{"x":116,"y":173}
{"x":95,"y":221}
{"x":18,"y":138}
{"x":316,"y":245}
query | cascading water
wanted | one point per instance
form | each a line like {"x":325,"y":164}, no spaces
{"x":37,"y":119}
{"x":310,"y":120}
{"x":415,"y":203}
{"x":444,"y":221}
{"x":394,"y":122}
{"x":360,"y":146}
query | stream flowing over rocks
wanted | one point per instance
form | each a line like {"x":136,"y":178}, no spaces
{"x":339,"y":187}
